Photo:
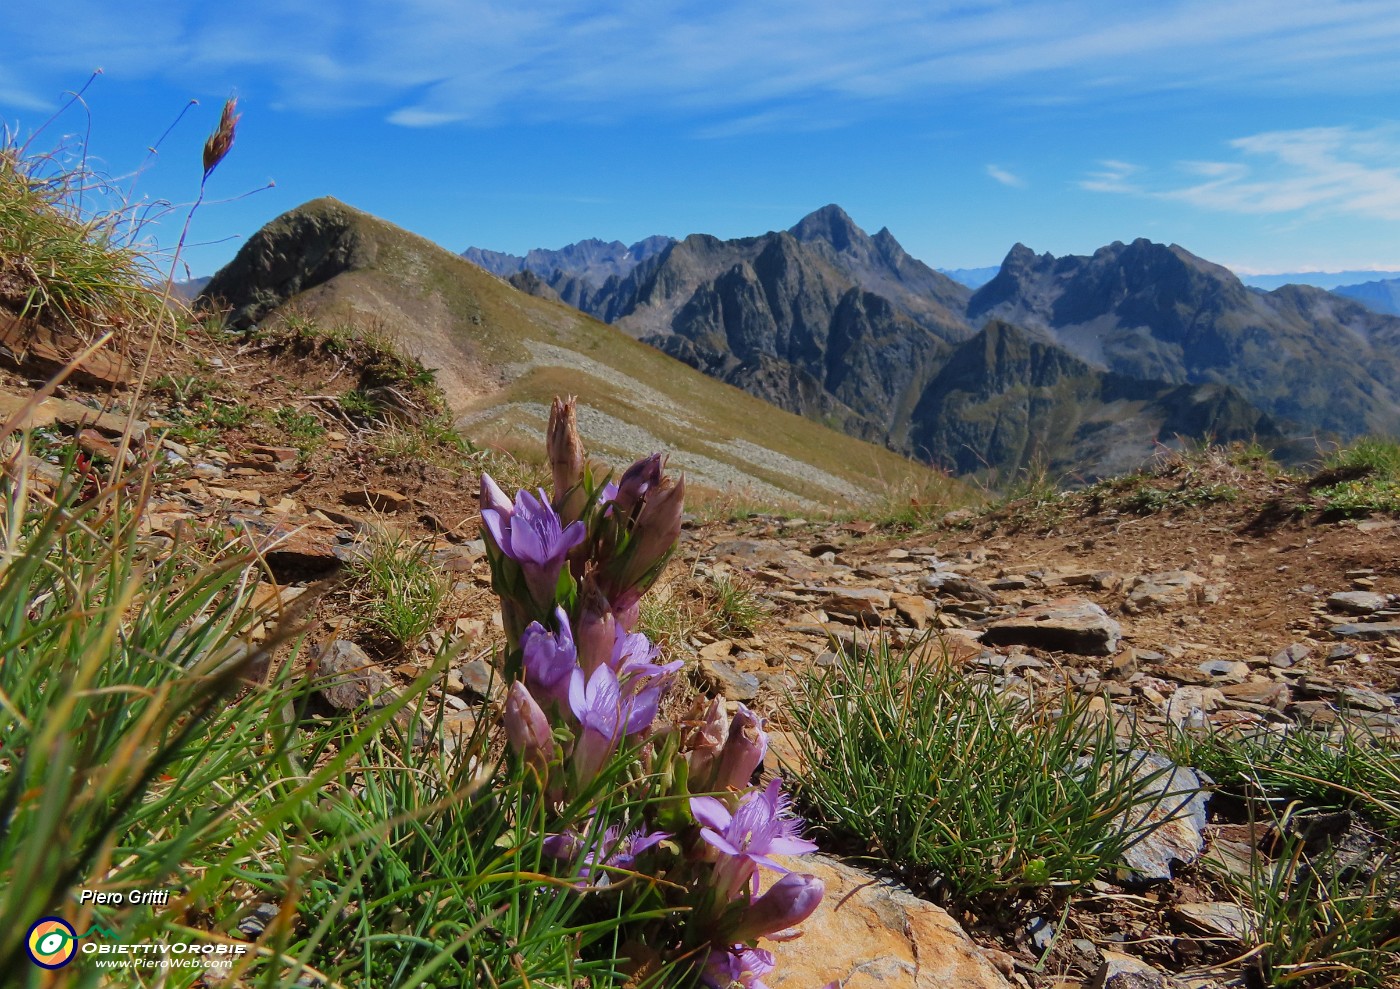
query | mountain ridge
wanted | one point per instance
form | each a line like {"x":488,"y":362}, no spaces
{"x":501,"y":354}
{"x":1159,"y":312}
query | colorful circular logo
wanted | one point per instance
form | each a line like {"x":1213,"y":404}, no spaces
{"x":52,"y":942}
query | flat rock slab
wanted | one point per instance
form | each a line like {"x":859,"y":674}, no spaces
{"x":350,"y":680}
{"x":858,"y":601}
{"x":724,"y":676}
{"x":871,"y":934}
{"x":1120,"y":971}
{"x":294,"y":546}
{"x":380,"y":499}
{"x":40,"y":348}
{"x":1366,"y":631}
{"x":71,"y":415}
{"x":1068,"y":624}
{"x":1167,"y":589}
{"x":1176,"y":813}
{"x":1219,"y":918}
{"x":1357,"y":602}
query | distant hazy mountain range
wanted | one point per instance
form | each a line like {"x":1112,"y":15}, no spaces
{"x":1381,"y":296}
{"x":971,"y":277}
{"x":1329,"y":280}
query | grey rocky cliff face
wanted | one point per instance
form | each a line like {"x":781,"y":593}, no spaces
{"x":1152,"y":311}
{"x":831,"y":323}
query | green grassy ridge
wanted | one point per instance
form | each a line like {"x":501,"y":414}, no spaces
{"x":485,"y":337}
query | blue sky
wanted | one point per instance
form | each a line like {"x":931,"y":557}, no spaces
{"x":1263,"y":134}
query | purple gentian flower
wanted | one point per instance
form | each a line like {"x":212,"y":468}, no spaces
{"x":745,"y":839}
{"x":632,"y":656}
{"x":620,"y":851}
{"x":550,"y":658}
{"x":739,"y":966}
{"x":564,"y":845}
{"x":532,"y":535}
{"x":606,"y":713}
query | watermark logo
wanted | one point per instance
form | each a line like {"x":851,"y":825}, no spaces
{"x":52,"y":942}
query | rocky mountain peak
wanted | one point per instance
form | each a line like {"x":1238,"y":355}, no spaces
{"x":298,"y":250}
{"x":831,"y":224}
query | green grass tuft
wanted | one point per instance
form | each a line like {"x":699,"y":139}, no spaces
{"x":965,"y":790}
{"x":62,"y":264}
{"x":399,"y":593}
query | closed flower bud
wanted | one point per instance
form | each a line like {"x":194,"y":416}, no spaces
{"x":653,"y":538}
{"x":566,"y":459}
{"x":527,"y":728}
{"x":635,"y":483}
{"x":704,"y":743}
{"x":788,"y":902}
{"x":744,"y":749}
{"x":597,"y":628}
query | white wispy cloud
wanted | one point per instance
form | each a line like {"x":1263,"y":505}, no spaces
{"x":1006,"y":177}
{"x":1312,"y":170}
{"x":431,"y":62}
{"x":1112,"y":176}
{"x":1318,"y":168}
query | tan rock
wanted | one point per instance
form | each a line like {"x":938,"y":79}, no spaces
{"x":71,"y":415}
{"x":720,"y":649}
{"x":1168,"y":589}
{"x":380,"y":499}
{"x":871,"y":933}
{"x":1069,"y":624}
{"x":860,"y":602}
{"x":45,"y":350}
{"x":913,"y":608}
{"x":248,"y":497}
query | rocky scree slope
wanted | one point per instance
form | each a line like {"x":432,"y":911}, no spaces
{"x":1230,"y":613}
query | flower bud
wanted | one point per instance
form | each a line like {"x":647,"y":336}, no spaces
{"x":705,"y":743}
{"x":635,"y":483}
{"x":653,"y":538}
{"x":566,"y":459}
{"x":788,"y":902}
{"x":597,"y":628}
{"x":493,"y":498}
{"x":744,"y":750}
{"x":527,"y":728}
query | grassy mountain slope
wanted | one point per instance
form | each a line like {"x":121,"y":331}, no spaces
{"x":501,"y":355}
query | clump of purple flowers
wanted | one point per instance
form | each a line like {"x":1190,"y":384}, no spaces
{"x":583,"y":706}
